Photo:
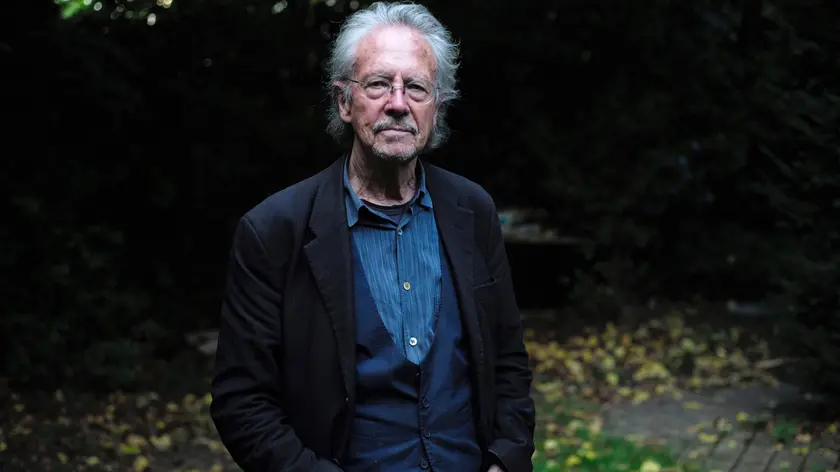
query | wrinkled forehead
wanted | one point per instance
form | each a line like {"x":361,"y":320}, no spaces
{"x":394,"y":51}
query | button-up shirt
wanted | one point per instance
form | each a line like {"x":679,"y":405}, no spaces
{"x":400,"y":254}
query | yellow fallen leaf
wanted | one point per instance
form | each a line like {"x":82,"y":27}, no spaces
{"x":742,"y":417}
{"x":575,"y":368}
{"x":574,"y":426}
{"x":62,"y":457}
{"x":3,"y":446}
{"x":692,"y":405}
{"x":118,"y":429}
{"x":215,"y":446}
{"x":141,"y":463}
{"x":650,"y":465}
{"x":162,"y":442}
{"x":172,"y":407}
{"x":695,"y":382}
{"x":19,"y":407}
{"x":596,"y":425}
{"x":135,"y":440}
{"x":652,"y":370}
{"x":92,"y":461}
{"x":573,"y":460}
{"x":129,"y":449}
{"x":721,"y":424}
{"x":640,"y":397}
{"x":707,"y":438}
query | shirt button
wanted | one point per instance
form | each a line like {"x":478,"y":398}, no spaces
{"x":399,"y":232}
{"x":412,"y":341}
{"x":406,"y":285}
{"x":427,"y":434}
{"x":425,"y":404}
{"x":424,"y":465}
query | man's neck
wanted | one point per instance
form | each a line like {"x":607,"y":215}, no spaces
{"x":382,"y":182}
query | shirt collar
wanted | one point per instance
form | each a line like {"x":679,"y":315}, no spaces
{"x":354,"y":204}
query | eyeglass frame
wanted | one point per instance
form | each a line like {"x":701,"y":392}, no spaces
{"x":433,"y":89}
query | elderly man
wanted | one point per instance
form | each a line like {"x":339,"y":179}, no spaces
{"x":369,"y":322}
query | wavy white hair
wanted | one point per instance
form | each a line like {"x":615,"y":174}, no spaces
{"x":342,"y":61}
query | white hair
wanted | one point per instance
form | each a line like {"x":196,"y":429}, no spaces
{"x":342,"y":61}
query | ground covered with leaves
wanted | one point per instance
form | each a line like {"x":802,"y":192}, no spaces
{"x":121,"y":432}
{"x":575,"y":379}
{"x":668,"y":356}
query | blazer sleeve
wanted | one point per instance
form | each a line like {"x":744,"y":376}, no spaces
{"x":513,"y":430}
{"x":246,"y":386}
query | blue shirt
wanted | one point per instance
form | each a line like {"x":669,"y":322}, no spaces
{"x":399,"y":250}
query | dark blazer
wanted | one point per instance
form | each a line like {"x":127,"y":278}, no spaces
{"x":283,"y":389}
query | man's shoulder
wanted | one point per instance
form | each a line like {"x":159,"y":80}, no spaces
{"x":290,"y":206}
{"x":468,"y":191}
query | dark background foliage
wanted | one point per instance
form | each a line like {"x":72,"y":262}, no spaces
{"x":691,"y":148}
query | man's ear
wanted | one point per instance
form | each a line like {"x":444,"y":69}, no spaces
{"x":343,"y":105}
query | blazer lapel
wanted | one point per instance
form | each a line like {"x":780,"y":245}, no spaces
{"x":329,"y":258}
{"x":456,"y":227}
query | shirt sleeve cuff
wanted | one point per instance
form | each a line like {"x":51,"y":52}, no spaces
{"x":494,"y":459}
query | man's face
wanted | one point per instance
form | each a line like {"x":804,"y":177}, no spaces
{"x":393,"y":127}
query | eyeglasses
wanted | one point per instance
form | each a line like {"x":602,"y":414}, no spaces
{"x":418,"y":91}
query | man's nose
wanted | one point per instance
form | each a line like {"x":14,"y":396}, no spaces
{"x":396,"y":102}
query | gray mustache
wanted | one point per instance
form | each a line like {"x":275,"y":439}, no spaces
{"x":383,"y":125}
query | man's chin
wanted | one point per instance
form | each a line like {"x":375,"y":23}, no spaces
{"x":396,"y":153}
